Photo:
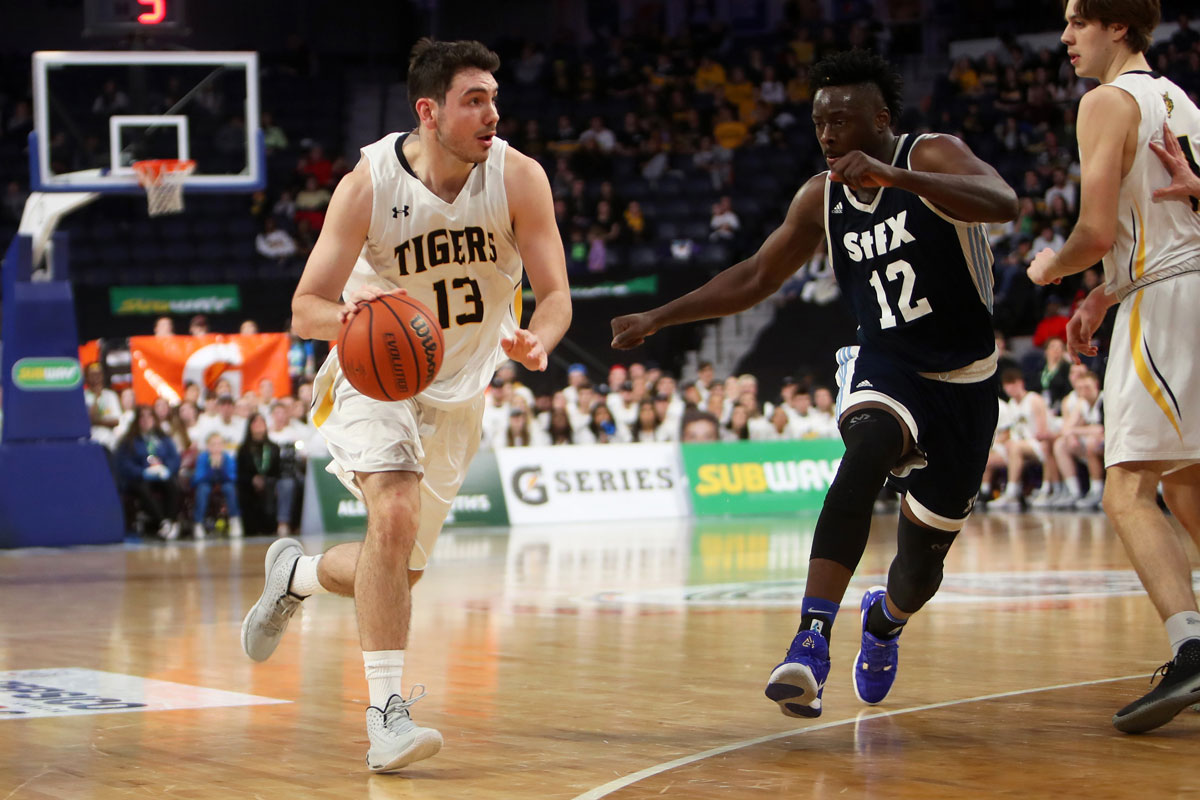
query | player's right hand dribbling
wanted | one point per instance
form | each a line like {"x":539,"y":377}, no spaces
{"x":364,"y":294}
{"x":631,"y":330}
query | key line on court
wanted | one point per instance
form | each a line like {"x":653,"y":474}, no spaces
{"x":666,"y":766}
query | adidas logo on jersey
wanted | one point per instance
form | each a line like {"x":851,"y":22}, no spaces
{"x":836,"y":209}
{"x":862,"y":384}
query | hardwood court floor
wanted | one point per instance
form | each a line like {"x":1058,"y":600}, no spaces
{"x":581,"y":661}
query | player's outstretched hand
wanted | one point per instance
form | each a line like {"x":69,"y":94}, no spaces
{"x":631,"y":330}
{"x":1185,"y":184}
{"x":354,"y":301}
{"x":1039,"y":269}
{"x":1080,"y":329}
{"x":526,"y":349}
{"x":859,"y":171}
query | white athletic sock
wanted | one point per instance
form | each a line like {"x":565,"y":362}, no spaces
{"x":1073,"y":486}
{"x":986,"y":490}
{"x":1013,"y":490}
{"x":1181,"y":627}
{"x":384,"y":668}
{"x":304,"y":577}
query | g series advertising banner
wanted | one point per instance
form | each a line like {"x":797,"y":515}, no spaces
{"x":600,"y":482}
{"x":761,"y":477}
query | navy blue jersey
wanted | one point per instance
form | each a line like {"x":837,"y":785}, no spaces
{"x":920,"y":283}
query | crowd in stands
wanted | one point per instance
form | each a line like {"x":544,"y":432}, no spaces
{"x":213,"y":458}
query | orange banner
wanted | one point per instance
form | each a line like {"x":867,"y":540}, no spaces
{"x":89,"y":352}
{"x":163,"y":365}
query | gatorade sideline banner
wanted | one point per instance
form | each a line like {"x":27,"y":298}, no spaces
{"x":601,"y":482}
{"x":760,"y":477}
{"x":480,"y":501}
{"x":161,"y":365}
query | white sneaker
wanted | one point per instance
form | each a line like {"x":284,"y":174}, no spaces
{"x":1090,"y":501}
{"x":235,"y":527}
{"x":266,"y":621}
{"x":397,"y":741}
{"x":198,"y":530}
{"x":1007,"y":502}
{"x":1041,"y":499}
{"x":1066,"y":500}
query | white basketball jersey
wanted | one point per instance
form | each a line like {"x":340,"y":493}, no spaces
{"x":460,"y":259}
{"x":1154,"y":240}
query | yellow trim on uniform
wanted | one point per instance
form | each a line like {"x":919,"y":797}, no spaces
{"x":517,"y":302}
{"x":1140,"y":265}
{"x":1140,"y":366}
{"x":325,"y":407}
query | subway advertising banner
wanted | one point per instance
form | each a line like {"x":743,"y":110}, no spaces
{"x":599,"y":482}
{"x":479,"y":502}
{"x":162,"y":365}
{"x":760,"y":477}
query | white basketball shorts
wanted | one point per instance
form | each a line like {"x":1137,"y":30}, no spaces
{"x":1153,"y":380}
{"x":366,"y":435}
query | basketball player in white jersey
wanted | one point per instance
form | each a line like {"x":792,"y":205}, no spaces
{"x":448,"y":214}
{"x":1151,"y":253}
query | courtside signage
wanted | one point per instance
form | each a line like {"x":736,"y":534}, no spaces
{"x":47,"y":374}
{"x":214,"y":299}
{"x":69,"y":692}
{"x":760,"y":477}
{"x":592,"y":482}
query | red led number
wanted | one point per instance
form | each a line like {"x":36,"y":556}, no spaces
{"x":158,"y":10}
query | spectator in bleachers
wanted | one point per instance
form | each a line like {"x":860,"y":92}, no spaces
{"x":601,"y":428}
{"x":273,"y":242}
{"x":258,"y":472}
{"x":1053,"y":324}
{"x":598,"y":132}
{"x":518,"y":430}
{"x":148,"y":464}
{"x":248,"y":328}
{"x":737,"y":428}
{"x":225,"y":423}
{"x":1030,"y":437}
{"x":1082,"y":437}
{"x":1047,"y":239}
{"x":647,"y":423}
{"x":315,"y":165}
{"x":274,"y":137}
{"x":164,"y":327}
{"x":198,"y":325}
{"x":1062,"y":188}
{"x":103,"y":405}
{"x":559,"y":429}
{"x":311,"y":203}
{"x":729,"y":131}
{"x":216,"y":469}
{"x":724,"y":223}
{"x":635,"y":229}
{"x":1055,"y":377}
{"x":699,"y":426}
{"x":284,"y":210}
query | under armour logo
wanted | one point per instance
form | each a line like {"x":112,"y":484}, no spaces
{"x":396,"y":212}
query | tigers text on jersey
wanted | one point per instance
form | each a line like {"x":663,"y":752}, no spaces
{"x":1154,"y":240}
{"x":460,"y":259}
{"x":919,"y":282}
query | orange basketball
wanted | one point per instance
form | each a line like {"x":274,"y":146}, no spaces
{"x":392,"y":348}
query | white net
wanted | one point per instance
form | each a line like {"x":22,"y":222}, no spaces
{"x":162,"y":179}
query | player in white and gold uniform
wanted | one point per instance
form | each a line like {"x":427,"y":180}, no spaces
{"x":1151,"y":253}
{"x":450,"y":215}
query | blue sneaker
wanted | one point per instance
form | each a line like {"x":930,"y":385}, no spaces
{"x":796,"y":684}
{"x":875,"y":666}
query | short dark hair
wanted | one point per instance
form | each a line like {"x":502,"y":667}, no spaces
{"x":1011,"y":374}
{"x":432,"y":66}
{"x":857,"y":66}
{"x":1140,"y":16}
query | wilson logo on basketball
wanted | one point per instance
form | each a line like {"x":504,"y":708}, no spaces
{"x":393,"y":350}
{"x":428,"y":343}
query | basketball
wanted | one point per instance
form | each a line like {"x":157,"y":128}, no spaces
{"x":392,"y":348}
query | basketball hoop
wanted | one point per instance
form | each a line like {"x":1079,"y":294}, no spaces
{"x":162,"y":178}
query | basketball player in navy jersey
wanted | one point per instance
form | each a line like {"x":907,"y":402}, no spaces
{"x":902,"y":217}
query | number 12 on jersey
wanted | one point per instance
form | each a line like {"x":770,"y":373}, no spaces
{"x":908,"y":309}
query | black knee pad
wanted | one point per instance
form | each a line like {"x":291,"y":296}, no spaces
{"x":873,"y":441}
{"x":916,"y":572}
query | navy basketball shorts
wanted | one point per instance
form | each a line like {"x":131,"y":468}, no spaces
{"x":953,"y":425}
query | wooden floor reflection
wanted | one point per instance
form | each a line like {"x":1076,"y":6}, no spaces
{"x":581,"y":662}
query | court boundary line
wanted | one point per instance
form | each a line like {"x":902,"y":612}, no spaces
{"x":666,"y":766}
